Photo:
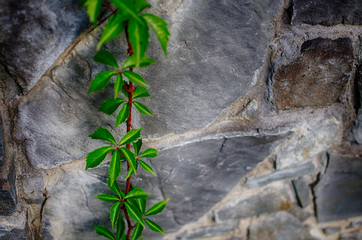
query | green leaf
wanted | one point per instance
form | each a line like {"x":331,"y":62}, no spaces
{"x":149,"y":153}
{"x":114,"y":28}
{"x":105,"y":57}
{"x":141,"y":5}
{"x":101,"y":80}
{"x":141,"y":92}
{"x":134,"y":213}
{"x":115,"y":188}
{"x":137,"y":193}
{"x":81,"y":4}
{"x":137,"y":232}
{"x":110,"y":105}
{"x":122,"y":115}
{"x":121,"y":226}
{"x":131,"y":62}
{"x":103,"y":231}
{"x":97,"y":156}
{"x":118,"y":85}
{"x":126,"y":8}
{"x":131,"y":136}
{"x":93,"y":9}
{"x":136,"y":78}
{"x":125,"y":93}
{"x":129,"y":173}
{"x":137,"y":146}
{"x":130,"y":158}
{"x":159,"y":26}
{"x":157,"y":208}
{"x":141,"y":202}
{"x":115,"y":166}
{"x":103,"y":134}
{"x":147,"y":167}
{"x":138,"y":36}
{"x":142,"y":108}
{"x":107,"y":198}
{"x":114,"y":213}
{"x":154,"y":226}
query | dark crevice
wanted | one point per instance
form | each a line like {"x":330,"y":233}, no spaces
{"x":248,"y":234}
{"x":314,"y":198}
{"x":223,"y":145}
{"x":288,"y":14}
{"x":45,"y":198}
{"x":357,"y":89}
{"x":327,"y":162}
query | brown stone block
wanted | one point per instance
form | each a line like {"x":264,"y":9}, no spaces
{"x":317,"y":78}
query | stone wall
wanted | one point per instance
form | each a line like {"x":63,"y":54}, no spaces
{"x":258,"y":120}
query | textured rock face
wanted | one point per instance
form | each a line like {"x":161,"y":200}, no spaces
{"x":327,"y":12}
{"x":34,"y":34}
{"x":338,"y":194}
{"x":313,"y":79}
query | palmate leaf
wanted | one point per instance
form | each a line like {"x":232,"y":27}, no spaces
{"x":154,"y":226}
{"x":105,"y":57}
{"x":114,"y":166}
{"x":93,"y":9}
{"x":157,"y":208}
{"x":141,"y":5}
{"x":136,"y":193}
{"x":134,"y":213}
{"x":97,"y":156}
{"x":130,"y":172}
{"x":107,"y":198}
{"x":110,"y":105}
{"x":118,"y":85}
{"x":103,"y":231}
{"x":137,"y":232}
{"x":126,"y":8}
{"x":114,"y":27}
{"x":138,"y":36}
{"x":131,"y":62}
{"x":115,"y":188}
{"x":103,"y":134}
{"x":101,"y":80}
{"x":146,"y":167}
{"x":149,"y":153}
{"x":130,"y":158}
{"x":136,"y":78}
{"x":141,"y":92}
{"x":122,"y":115}
{"x":137,"y":146}
{"x":131,"y":136}
{"x":121,"y":226}
{"x":142,"y":108}
{"x":159,"y":26}
{"x":114,"y":213}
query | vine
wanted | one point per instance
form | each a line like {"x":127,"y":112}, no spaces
{"x":129,"y":205}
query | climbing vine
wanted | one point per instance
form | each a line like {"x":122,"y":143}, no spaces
{"x":129,"y":204}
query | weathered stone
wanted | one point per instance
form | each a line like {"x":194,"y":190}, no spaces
{"x":34,"y":33}
{"x":339,"y":193}
{"x":268,"y":201}
{"x":314,"y":79}
{"x":327,"y":12}
{"x":302,"y":192}
{"x":208,"y":231}
{"x":310,"y":141}
{"x":2,"y":145}
{"x":13,"y":234}
{"x":292,"y":172}
{"x":7,"y":191}
{"x":331,"y":230}
{"x":189,"y":175}
{"x":351,"y":236}
{"x":279,"y":226}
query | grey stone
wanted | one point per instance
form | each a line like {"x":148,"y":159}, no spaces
{"x":327,"y":12}
{"x":339,"y":193}
{"x":292,"y":172}
{"x":208,"y":231}
{"x":7,"y":191}
{"x":355,"y":223}
{"x":331,"y":230}
{"x":279,"y":226}
{"x":268,"y":201}
{"x":34,"y":33}
{"x":313,"y":79}
{"x":13,"y":234}
{"x":2,"y":144}
{"x":302,"y":192}
{"x":310,"y":141}
{"x":356,"y":235}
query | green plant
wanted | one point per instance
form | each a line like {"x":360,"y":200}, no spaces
{"x":131,"y":203}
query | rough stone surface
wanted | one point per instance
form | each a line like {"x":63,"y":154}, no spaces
{"x":351,"y":236}
{"x":268,"y":201}
{"x":327,"y":12}
{"x":13,"y":234}
{"x":279,"y":226}
{"x":208,"y":231}
{"x":314,"y":79}
{"x":34,"y":33}
{"x":297,"y":171}
{"x":7,"y":192}
{"x":302,"y":191}
{"x":2,"y":146}
{"x":310,"y":141}
{"x":339,"y":193}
